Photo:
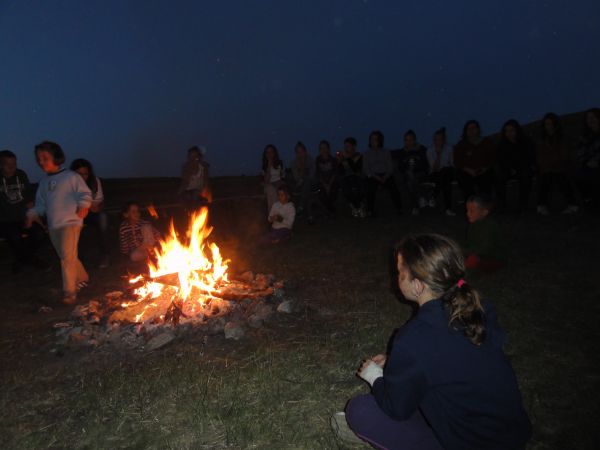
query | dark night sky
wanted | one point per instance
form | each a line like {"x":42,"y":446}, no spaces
{"x":131,"y":85}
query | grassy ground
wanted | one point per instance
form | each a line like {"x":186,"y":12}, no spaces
{"x":277,"y":387}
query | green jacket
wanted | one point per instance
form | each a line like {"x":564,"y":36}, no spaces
{"x":484,"y":238}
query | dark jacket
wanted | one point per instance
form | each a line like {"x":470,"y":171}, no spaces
{"x":553,"y":156}
{"x":519,"y":156}
{"x":15,"y":193}
{"x":413,"y":162}
{"x":474,"y":156}
{"x":467,"y":393}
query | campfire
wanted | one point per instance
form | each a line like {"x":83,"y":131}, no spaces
{"x":187,"y":284}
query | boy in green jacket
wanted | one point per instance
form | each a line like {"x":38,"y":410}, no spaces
{"x":485,"y":247}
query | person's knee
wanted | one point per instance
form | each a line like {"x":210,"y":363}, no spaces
{"x":358,"y":411}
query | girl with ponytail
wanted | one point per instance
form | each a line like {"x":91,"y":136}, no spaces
{"x":446,"y":383}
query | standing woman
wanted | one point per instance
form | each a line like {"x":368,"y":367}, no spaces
{"x":474,"y":159}
{"x":588,"y":159}
{"x":554,"y":163}
{"x":273,"y":174}
{"x":194,"y":179}
{"x":446,"y":382}
{"x":303,"y":168}
{"x":96,"y":216}
{"x":441,"y":172}
{"x":516,"y":160}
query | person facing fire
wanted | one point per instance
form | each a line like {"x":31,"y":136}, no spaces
{"x":194,"y":179}
{"x":281,"y":217}
{"x":137,"y":237}
{"x":446,"y":382}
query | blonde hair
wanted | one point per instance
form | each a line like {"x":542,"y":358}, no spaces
{"x":438,"y":262}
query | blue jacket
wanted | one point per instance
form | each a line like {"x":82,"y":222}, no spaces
{"x":467,"y":393}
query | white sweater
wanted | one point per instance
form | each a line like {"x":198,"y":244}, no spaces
{"x":287,"y":211}
{"x":58,"y":197}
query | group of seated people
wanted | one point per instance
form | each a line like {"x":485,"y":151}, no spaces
{"x":476,"y":163}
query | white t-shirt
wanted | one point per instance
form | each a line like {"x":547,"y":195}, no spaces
{"x":275,"y":174}
{"x":287,"y":211}
{"x":445,"y":158}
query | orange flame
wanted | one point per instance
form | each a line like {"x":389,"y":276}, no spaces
{"x":197,"y":264}
{"x":152,"y":211}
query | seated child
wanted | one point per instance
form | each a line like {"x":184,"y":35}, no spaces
{"x":485,"y":247}
{"x":281,"y":217}
{"x":445,"y":382}
{"x":137,"y":237}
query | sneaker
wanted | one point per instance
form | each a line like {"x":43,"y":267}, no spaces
{"x":432,"y":202}
{"x":340,"y":428}
{"x":571,"y":209}
{"x":415,"y":211}
{"x":422,"y":202}
{"x":542,"y":210}
{"x":450,"y":213}
{"x":354,"y":211}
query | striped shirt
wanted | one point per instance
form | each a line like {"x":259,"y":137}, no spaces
{"x":130,"y":235}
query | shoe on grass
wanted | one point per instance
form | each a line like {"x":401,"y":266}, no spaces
{"x":341,"y":429}
{"x":422,"y":202}
{"x":450,"y":213}
{"x":432,"y":202}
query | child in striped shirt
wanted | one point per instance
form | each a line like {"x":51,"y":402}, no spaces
{"x":137,"y":237}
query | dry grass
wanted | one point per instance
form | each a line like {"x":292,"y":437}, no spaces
{"x":278,"y":387}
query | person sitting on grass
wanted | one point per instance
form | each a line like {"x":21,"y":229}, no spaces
{"x":64,"y":198}
{"x":446,"y":382}
{"x":485,"y":249}
{"x":16,"y":197}
{"x":96,"y":217}
{"x":281,"y":217}
{"x":137,"y":237}
{"x":327,"y":177}
{"x":353,"y":178}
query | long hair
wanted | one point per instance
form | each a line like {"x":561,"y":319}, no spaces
{"x":587,"y":131}
{"x":276,"y":162}
{"x":557,"y":127}
{"x":517,"y":126}
{"x":468,"y":123}
{"x":91,"y":182}
{"x":438,"y":262}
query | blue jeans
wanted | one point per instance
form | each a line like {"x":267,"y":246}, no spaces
{"x":371,"y":424}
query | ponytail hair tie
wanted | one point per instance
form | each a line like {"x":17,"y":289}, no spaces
{"x":461,"y":283}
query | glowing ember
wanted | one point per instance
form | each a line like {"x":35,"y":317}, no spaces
{"x":186,"y":276}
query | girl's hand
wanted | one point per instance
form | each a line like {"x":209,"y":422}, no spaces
{"x":369,"y":371}
{"x":82,"y":212}
{"x":379,"y":359}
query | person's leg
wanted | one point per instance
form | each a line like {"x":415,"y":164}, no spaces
{"x":392,"y":188}
{"x":333,"y":196}
{"x":544,"y":189}
{"x":524,"y":179}
{"x":485,"y":182}
{"x":565,"y":185}
{"x":65,"y":242}
{"x":371,"y":424}
{"x":501,"y":177}
{"x":372,"y":186}
{"x":436,"y":179}
{"x":466,"y":184}
{"x":11,"y":231}
{"x":447,"y":177}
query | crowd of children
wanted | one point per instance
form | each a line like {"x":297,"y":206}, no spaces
{"x":476,"y":163}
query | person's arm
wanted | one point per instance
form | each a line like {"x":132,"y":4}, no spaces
{"x":83,"y":195}
{"x":39,"y":208}
{"x":403,"y":384}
